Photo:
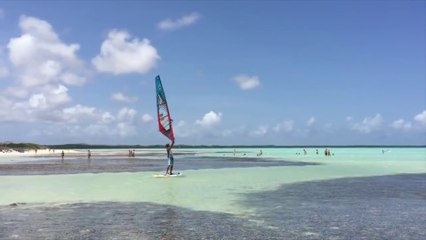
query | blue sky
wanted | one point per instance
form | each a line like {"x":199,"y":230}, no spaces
{"x":235,"y":72}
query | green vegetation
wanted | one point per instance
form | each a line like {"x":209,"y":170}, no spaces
{"x":96,"y":146}
{"x":103,"y":146}
{"x":30,"y":146}
{"x":20,"y":147}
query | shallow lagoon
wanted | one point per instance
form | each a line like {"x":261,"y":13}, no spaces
{"x":207,"y":189}
{"x":219,"y":189}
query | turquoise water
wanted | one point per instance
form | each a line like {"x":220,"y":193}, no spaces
{"x":217,"y":190}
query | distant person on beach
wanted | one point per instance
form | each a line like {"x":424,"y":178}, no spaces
{"x":170,"y":158}
{"x":62,"y":154}
{"x":304,"y":152}
{"x":89,"y":154}
{"x":260,"y":153}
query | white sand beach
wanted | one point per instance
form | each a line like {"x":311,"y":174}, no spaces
{"x":33,"y":152}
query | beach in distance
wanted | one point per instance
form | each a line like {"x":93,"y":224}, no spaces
{"x":232,"y":193}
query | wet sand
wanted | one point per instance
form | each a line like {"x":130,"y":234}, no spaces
{"x":385,"y":207}
{"x":55,"y":165}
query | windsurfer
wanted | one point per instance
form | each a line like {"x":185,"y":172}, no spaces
{"x":170,"y":158}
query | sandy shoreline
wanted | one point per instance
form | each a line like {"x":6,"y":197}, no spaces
{"x":38,"y":152}
{"x":68,"y":153}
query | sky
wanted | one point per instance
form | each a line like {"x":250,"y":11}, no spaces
{"x":234,"y":72}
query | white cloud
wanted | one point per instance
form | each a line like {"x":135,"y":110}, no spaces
{"x":210,"y":119}
{"x":246,"y":82}
{"x":50,"y":97}
{"x":184,"y":21}
{"x":126,"y":114}
{"x":260,"y":131}
{"x":147,"y":118}
{"x":238,"y":131}
{"x":401,"y":124}
{"x":9,"y":111}
{"x":39,"y":57}
{"x":4,"y":71}
{"x":76,"y":113}
{"x":369,"y":124}
{"x":182,"y":129}
{"x":107,"y":117}
{"x":120,"y":54}
{"x":58,"y":95}
{"x":120,"y":97}
{"x":118,"y":130}
{"x":310,"y":122}
{"x":72,"y":79}
{"x":38,"y":101}
{"x":421,"y":117}
{"x":286,"y":126}
{"x":126,"y":129}
{"x":42,"y":66}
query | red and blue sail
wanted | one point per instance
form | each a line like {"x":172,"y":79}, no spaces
{"x":163,"y":114}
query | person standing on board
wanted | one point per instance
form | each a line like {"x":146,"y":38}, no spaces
{"x":170,"y":158}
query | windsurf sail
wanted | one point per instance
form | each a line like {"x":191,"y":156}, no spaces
{"x":163,"y":114}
